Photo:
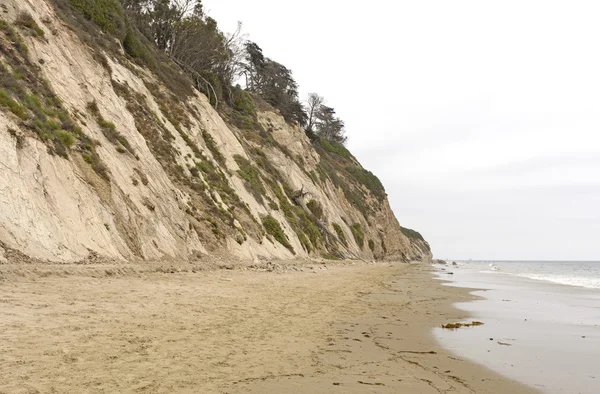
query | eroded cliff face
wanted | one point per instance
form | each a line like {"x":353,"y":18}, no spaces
{"x":99,"y":156}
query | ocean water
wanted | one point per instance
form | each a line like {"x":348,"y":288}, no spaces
{"x":541,"y":321}
{"x":571,"y":273}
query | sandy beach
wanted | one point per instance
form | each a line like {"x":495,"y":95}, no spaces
{"x":314,"y":328}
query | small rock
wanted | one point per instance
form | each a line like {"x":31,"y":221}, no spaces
{"x":491,"y":339}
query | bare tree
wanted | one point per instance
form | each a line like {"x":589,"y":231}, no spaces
{"x":314,"y":102}
{"x":235,"y":42}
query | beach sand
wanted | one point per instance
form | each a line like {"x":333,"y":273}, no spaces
{"x":311,"y":328}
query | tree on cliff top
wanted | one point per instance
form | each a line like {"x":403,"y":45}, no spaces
{"x":314,"y":103}
{"x":274,"y":82}
{"x":322,"y":122}
{"x":213,"y":60}
{"x":182,"y":30}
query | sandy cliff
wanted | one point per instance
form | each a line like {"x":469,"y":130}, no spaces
{"x":98,"y":155}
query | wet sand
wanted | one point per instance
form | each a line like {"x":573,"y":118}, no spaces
{"x":309,"y":328}
{"x":544,"y":334}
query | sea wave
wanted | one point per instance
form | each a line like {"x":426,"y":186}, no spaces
{"x":579,"y":281}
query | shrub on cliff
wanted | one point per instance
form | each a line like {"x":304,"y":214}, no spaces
{"x":412,"y":234}
{"x":136,"y":49}
{"x":340,"y":234}
{"x":25,"y":20}
{"x":8,"y":102}
{"x":359,"y":235}
{"x":335,"y":148}
{"x":251,"y":176}
{"x":315,"y":208}
{"x":368,"y":179}
{"x":108,"y":14}
{"x":274,"y":229}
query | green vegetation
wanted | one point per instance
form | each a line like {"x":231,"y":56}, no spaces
{"x":330,"y":256}
{"x":251,"y":176}
{"x":322,"y":173}
{"x":25,"y":93}
{"x":110,"y":130}
{"x":273,"y":82}
{"x":335,"y":148}
{"x":372,"y":245}
{"x":316,"y":208}
{"x":217,"y":181}
{"x":151,"y":29}
{"x":243,"y":113}
{"x":88,"y":17}
{"x":8,"y":102}
{"x":342,"y":169}
{"x":243,"y":102}
{"x":212,"y":147}
{"x":359,"y":235}
{"x":412,"y":234}
{"x":66,"y":138}
{"x":336,"y":172}
{"x":322,"y":125}
{"x":25,"y":20}
{"x":308,"y":227}
{"x":273,"y":228}
{"x":134,"y":47}
{"x":305,"y":224}
{"x":340,"y":234}
{"x":15,"y":39}
{"x":108,"y":14}
{"x":90,"y":156}
{"x":369,"y":180}
{"x":213,"y":200}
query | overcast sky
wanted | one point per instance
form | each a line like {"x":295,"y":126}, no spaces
{"x":482,"y":118}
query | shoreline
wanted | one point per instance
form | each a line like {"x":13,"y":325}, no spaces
{"x":561,"y":360}
{"x":345,"y":327}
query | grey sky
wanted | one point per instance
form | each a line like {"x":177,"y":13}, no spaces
{"x":481,"y":118}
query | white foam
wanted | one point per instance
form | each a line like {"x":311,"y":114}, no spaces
{"x":579,"y":281}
